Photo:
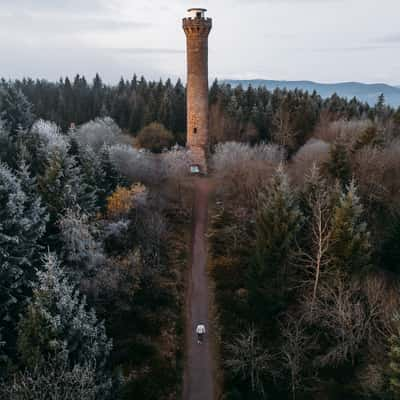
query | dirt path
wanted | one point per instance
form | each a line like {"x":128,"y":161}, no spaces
{"x":198,"y":379}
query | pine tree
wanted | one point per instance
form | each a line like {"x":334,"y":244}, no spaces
{"x":57,"y":320}
{"x":15,"y":109}
{"x":338,"y":164}
{"x":93,"y":175}
{"x":81,"y":252}
{"x":36,"y":212}
{"x":380,"y":106}
{"x":279,"y":220}
{"x":8,"y":148}
{"x":390,"y":248}
{"x":350,"y":248}
{"x":22,"y":225}
{"x":112,"y":177}
{"x":62,"y":187}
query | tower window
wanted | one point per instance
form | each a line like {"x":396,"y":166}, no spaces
{"x":198,"y":14}
{"x":195,"y":130}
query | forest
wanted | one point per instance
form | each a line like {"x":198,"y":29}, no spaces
{"x":95,"y":214}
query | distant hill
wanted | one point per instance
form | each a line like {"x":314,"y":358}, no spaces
{"x":364,"y":92}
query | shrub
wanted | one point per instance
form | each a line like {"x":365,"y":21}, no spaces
{"x":123,"y":200}
{"x":155,"y":137}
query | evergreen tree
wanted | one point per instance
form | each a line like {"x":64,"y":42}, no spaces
{"x":390,"y":250}
{"x":15,"y":109}
{"x":112,"y":178}
{"x":279,"y":220}
{"x":93,"y":176}
{"x":338,"y":164}
{"x":57,"y":320}
{"x":62,"y":187}
{"x":380,"y":106}
{"x":8,"y":149}
{"x":350,"y":248}
{"x":22,"y":225}
{"x":81,"y":252}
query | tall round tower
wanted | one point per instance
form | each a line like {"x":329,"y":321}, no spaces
{"x":197,"y":28}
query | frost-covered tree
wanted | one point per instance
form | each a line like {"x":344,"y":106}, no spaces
{"x":97,"y":133}
{"x":22,"y":224}
{"x":36,"y":212}
{"x":50,"y":137}
{"x":58,"y":320}
{"x":61,"y":186}
{"x":53,"y":379}
{"x":40,"y":144}
{"x":81,"y":252}
{"x":231,"y":154}
{"x":135,"y":165}
{"x":7,"y":146}
{"x":93,"y":175}
{"x":176,"y":162}
{"x":15,"y":109}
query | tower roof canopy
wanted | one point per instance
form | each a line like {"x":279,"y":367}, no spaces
{"x":196,"y":13}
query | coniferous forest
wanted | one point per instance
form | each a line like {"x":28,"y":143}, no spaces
{"x":95,"y":214}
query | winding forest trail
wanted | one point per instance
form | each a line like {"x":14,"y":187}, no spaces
{"x":198,"y":377}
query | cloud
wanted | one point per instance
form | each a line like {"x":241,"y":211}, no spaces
{"x":144,"y":51}
{"x":319,"y":2}
{"x":391,"y":38}
{"x":56,"y":24}
{"x":352,"y":48}
{"x":76,"y":6}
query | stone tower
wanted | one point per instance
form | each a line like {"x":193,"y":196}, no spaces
{"x":197,"y":28}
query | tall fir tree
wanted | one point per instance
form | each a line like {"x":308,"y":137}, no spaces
{"x":350,"y":248}
{"x":22,"y":225}
{"x":338,"y":164}
{"x":62,"y":186}
{"x":58,"y":320}
{"x":82,"y":253}
{"x":15,"y":109}
{"x":279,"y":220}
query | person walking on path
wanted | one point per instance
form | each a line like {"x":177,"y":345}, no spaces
{"x":201,"y":331}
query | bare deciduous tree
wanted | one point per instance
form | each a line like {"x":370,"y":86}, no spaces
{"x":248,"y":359}
{"x":342,"y":130}
{"x":54,"y":380}
{"x":248,"y":167}
{"x":314,"y":152}
{"x":297,"y":343}
{"x":341,"y":313}
{"x":316,"y":259}
{"x":377,"y":173}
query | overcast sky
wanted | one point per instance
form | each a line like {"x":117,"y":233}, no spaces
{"x":321,"y":40}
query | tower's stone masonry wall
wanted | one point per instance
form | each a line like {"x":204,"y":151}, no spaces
{"x":197,"y":31}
